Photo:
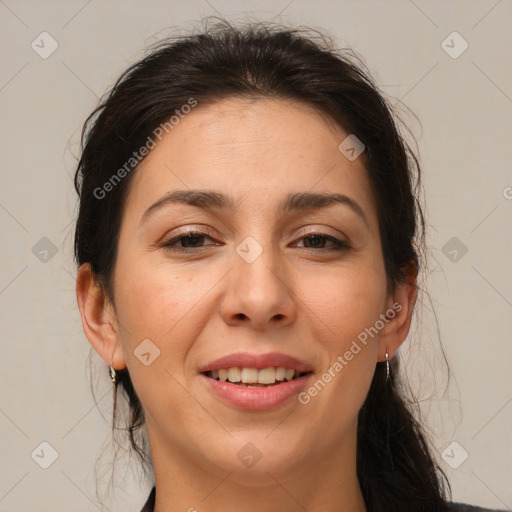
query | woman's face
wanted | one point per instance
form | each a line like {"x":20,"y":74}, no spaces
{"x":264,"y":279}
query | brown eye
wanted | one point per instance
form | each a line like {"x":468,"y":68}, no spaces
{"x":189,"y":241}
{"x":318,"y":241}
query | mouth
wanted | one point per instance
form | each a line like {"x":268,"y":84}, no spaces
{"x":255,"y":377}
{"x":255,"y":389}
{"x":255,"y":382}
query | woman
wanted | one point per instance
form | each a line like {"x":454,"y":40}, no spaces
{"x":247,"y":248}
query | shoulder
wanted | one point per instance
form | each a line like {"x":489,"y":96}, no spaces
{"x":464,"y":507}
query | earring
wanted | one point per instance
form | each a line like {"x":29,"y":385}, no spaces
{"x":387,"y":366}
{"x":112,"y":372}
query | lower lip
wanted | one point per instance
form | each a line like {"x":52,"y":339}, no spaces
{"x":257,"y":399}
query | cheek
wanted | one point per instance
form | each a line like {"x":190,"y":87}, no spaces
{"x":158,"y":302}
{"x":152,"y":295}
{"x":345,"y":302}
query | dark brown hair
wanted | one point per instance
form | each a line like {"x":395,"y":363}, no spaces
{"x":394,"y":465}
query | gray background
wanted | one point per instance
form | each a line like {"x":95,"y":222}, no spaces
{"x":464,"y":105}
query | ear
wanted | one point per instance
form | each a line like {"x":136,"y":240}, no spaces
{"x":98,"y":318}
{"x":399,"y":314}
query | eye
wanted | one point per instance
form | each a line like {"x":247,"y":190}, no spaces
{"x":318,"y":240}
{"x":190,"y":240}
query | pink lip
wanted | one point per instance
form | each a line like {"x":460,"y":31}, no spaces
{"x":245,"y":360}
{"x":256,"y":399}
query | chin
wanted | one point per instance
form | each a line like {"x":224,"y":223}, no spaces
{"x":255,"y":460}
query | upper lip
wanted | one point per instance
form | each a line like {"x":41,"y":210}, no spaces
{"x":259,"y":361}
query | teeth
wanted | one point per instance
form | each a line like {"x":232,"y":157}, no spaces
{"x":255,"y":376}
{"x":267,"y":376}
{"x":249,"y":375}
{"x":289,"y":374}
{"x":234,"y":375}
{"x":280,"y":373}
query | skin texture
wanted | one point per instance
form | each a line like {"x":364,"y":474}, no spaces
{"x":296,"y":298}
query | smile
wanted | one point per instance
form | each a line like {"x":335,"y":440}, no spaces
{"x":254,"y":377}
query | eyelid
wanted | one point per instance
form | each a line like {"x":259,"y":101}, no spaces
{"x":188,"y":230}
{"x":319,"y":230}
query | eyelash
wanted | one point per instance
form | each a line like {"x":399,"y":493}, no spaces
{"x":170,"y":244}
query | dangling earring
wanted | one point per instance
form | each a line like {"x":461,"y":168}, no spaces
{"x":114,"y":390}
{"x":387,"y":366}
{"x":112,"y":372}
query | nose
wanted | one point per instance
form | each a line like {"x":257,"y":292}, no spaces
{"x":260,"y":290}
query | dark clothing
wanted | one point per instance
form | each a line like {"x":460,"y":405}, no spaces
{"x":150,"y":503}
{"x":463,"y":507}
{"x":453,"y":507}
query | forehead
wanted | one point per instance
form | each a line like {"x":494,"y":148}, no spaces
{"x":255,"y":150}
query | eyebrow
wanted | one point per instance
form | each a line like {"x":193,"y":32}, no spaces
{"x":299,"y":201}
